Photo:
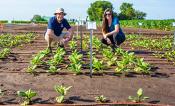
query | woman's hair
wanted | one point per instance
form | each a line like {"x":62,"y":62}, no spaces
{"x":105,"y":21}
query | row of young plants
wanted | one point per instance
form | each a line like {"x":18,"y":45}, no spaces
{"x":149,"y":24}
{"x":169,"y":55}
{"x":61,"y":90}
{"x":124,"y":61}
{"x":164,"y":43}
{"x":163,"y":47}
{"x":9,"y":40}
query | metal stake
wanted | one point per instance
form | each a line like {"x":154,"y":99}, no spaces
{"x":91,"y":33}
{"x":81,"y":37}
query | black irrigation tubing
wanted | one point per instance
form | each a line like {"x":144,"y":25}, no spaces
{"x":71,"y":73}
{"x":105,"y":104}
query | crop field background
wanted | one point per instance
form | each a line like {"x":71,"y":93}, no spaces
{"x":145,"y":60}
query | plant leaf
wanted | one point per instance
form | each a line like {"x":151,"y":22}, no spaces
{"x":60,"y":99}
{"x":21,"y":94}
{"x":140,"y":92}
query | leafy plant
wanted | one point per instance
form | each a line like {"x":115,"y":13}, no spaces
{"x":53,"y":69}
{"x":96,"y":43}
{"x":85,"y":44}
{"x":141,"y":66}
{"x":27,"y":96}
{"x":119,"y":51}
{"x":4,"y":53}
{"x":57,"y":58}
{"x":72,"y":44}
{"x":109,"y":56}
{"x":60,"y":51}
{"x":40,"y":55}
{"x":97,"y":65}
{"x":88,"y":54}
{"x":76,"y":64}
{"x":31,"y":69}
{"x":62,"y":91}
{"x":122,"y":67}
{"x":37,"y":60}
{"x":75,"y":57}
{"x":76,"y":68}
{"x":101,"y":99}
{"x":139,"y":98}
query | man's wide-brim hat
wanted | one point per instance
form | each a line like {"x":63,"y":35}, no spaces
{"x":59,"y":10}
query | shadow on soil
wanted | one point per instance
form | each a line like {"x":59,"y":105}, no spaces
{"x":77,"y":98}
{"x":140,"y":52}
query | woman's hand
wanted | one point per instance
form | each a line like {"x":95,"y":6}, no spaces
{"x":108,"y":40}
{"x":105,"y":36}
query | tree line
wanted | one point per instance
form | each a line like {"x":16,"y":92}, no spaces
{"x":96,"y":9}
{"x":127,"y":12}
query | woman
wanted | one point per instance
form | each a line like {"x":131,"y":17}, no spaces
{"x":112,"y":33}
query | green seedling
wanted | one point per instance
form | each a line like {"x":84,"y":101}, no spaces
{"x":109,"y":56}
{"x":31,"y":69}
{"x":4,"y":53}
{"x":37,"y":59}
{"x":119,"y":51}
{"x":62,"y":91}
{"x":53,"y":70}
{"x":75,"y":57}
{"x":101,"y":99}
{"x":72,"y":45}
{"x":122,"y":67}
{"x":85,"y":44}
{"x":141,"y":66}
{"x":60,"y":51}
{"x":96,"y":43}
{"x":139,"y":98}
{"x":27,"y":96}
{"x":76,"y":68}
{"x":97,"y":65}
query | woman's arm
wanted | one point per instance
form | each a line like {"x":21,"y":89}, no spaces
{"x":113,"y":32}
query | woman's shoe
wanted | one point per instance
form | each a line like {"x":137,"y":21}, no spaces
{"x":113,"y":48}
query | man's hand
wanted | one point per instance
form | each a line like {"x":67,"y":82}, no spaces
{"x":66,"y":39}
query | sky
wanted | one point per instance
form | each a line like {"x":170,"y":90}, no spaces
{"x":26,"y":9}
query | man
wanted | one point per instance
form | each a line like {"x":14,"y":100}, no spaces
{"x":55,"y":27}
